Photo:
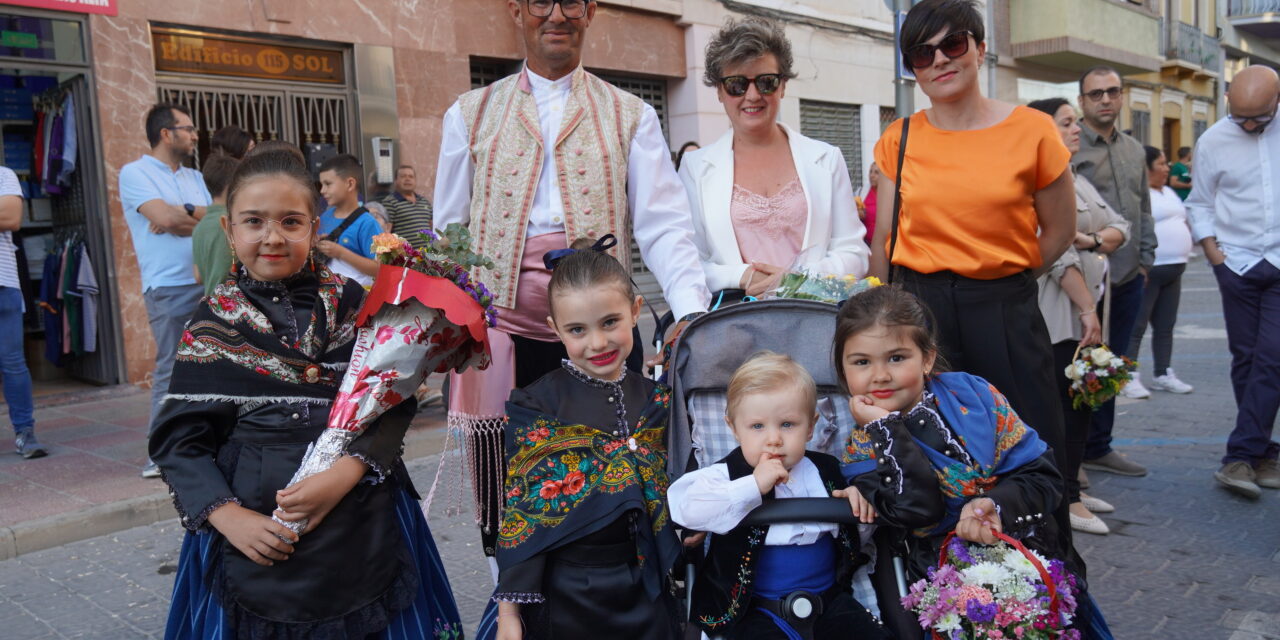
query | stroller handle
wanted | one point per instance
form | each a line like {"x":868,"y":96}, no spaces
{"x":835,"y":510}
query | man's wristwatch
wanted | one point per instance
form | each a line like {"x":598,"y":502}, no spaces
{"x":191,"y":209}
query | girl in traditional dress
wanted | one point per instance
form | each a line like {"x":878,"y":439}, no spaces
{"x":586,"y":543}
{"x":257,"y":368}
{"x":933,"y":451}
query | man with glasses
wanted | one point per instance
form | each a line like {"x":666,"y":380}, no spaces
{"x":163,"y":200}
{"x":531,"y":163}
{"x":1234,"y":211}
{"x":1116,"y":164}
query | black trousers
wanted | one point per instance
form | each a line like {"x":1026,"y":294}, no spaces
{"x":1076,"y":421}
{"x":534,"y":359}
{"x":994,"y":329}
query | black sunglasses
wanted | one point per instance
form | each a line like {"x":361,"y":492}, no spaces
{"x":1261,"y":121}
{"x":954,"y":45}
{"x":766,"y":83}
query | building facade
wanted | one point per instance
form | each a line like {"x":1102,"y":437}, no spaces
{"x":1167,"y":50}
{"x":346,"y":78}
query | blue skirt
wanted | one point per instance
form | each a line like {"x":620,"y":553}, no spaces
{"x":196,"y":613}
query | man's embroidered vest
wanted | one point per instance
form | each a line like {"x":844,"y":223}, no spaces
{"x":507,"y":148}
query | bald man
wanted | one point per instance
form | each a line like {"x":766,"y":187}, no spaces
{"x":1234,"y":209}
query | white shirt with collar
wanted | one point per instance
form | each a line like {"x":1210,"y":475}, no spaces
{"x":1235,"y":194}
{"x":707,"y":500}
{"x":659,"y":206}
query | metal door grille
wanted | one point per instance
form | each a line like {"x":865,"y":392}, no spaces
{"x":295,"y":117}
{"x":887,"y":116}
{"x":1198,"y":127}
{"x":839,"y":125}
{"x":653,"y":92}
{"x":486,"y":72}
{"x":1141,"y":126}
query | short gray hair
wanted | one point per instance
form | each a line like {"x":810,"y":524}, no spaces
{"x":740,"y":41}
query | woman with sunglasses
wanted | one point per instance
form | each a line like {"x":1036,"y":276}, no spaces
{"x":987,"y":205}
{"x":765,"y":199}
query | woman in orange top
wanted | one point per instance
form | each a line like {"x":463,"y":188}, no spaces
{"x":987,"y":204}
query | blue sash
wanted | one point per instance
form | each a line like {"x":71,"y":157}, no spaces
{"x":783,"y":569}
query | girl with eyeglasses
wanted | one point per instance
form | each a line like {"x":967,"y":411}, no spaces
{"x":765,"y":199}
{"x":256,"y":371}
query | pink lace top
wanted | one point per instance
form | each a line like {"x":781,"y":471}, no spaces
{"x":770,"y":230}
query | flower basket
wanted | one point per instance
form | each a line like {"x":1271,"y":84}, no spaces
{"x":1003,"y":591}
{"x":1097,"y":375}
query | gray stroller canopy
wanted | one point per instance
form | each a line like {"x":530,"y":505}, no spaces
{"x":713,"y":346}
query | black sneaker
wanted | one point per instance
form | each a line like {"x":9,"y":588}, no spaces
{"x":151,"y":470}
{"x":27,"y":445}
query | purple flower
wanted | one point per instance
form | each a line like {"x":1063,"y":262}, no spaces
{"x":978,"y":612}
{"x":960,"y":551}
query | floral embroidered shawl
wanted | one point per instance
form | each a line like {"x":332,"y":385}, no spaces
{"x":565,"y":481}
{"x":229,"y":337}
{"x":994,"y":439}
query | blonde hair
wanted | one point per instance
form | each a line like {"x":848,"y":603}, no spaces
{"x":768,"y":371}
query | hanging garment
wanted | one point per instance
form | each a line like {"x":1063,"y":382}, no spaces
{"x":53,"y":161}
{"x":37,"y":167}
{"x":69,"y":142}
{"x":52,"y":308}
{"x":87,"y":281}
{"x":72,"y":303}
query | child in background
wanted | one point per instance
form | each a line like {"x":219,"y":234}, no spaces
{"x":346,"y":228}
{"x":208,"y":240}
{"x":585,"y":543}
{"x":748,"y":584}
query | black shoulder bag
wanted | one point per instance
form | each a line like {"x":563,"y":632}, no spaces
{"x":360,"y":211}
{"x":897,"y":194}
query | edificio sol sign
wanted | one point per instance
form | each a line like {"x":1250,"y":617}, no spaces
{"x":207,"y":53}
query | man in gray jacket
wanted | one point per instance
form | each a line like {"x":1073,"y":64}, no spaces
{"x":1117,"y":165}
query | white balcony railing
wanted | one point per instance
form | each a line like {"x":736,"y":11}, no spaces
{"x":1237,"y":8}
{"x":1187,"y":43}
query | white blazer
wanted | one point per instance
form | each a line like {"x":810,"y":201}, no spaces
{"x":833,"y":237}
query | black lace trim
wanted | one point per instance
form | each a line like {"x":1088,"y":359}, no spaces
{"x":519,"y":597}
{"x":359,"y":623}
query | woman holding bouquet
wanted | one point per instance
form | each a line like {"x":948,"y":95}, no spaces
{"x":1069,"y":294}
{"x":764,"y":198}
{"x":257,"y":369}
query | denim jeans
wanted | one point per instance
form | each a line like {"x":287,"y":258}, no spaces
{"x":13,"y":362}
{"x":168,"y":309}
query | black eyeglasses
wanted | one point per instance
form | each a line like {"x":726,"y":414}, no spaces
{"x":766,"y":83}
{"x":572,"y":9}
{"x":1261,"y":121}
{"x":1096,"y":94}
{"x":954,"y":45}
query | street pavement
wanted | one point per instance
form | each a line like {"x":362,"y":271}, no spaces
{"x":1185,"y":560}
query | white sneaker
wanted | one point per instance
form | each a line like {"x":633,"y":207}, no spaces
{"x":1171,"y":383}
{"x":1134,"y":390}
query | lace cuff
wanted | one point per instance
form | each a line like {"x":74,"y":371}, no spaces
{"x":379,"y":473}
{"x":887,"y":464}
{"x":519,"y":597}
{"x":200,"y":520}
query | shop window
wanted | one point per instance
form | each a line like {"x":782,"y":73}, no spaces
{"x":839,"y":125}
{"x":42,"y":39}
{"x":1198,"y":127}
{"x":1140,"y":124}
{"x":317,"y":122}
{"x":486,"y":72}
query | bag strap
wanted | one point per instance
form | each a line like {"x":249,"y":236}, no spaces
{"x":346,"y":224}
{"x":897,"y":192}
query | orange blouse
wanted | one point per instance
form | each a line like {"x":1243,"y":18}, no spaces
{"x":968,"y":196}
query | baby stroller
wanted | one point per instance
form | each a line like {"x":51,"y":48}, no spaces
{"x":704,"y":358}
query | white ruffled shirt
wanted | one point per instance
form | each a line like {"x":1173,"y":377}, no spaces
{"x":659,"y":206}
{"x":706,"y":500}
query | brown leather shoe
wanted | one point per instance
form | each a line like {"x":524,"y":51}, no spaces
{"x":1267,"y":474}
{"x":1238,"y":477}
